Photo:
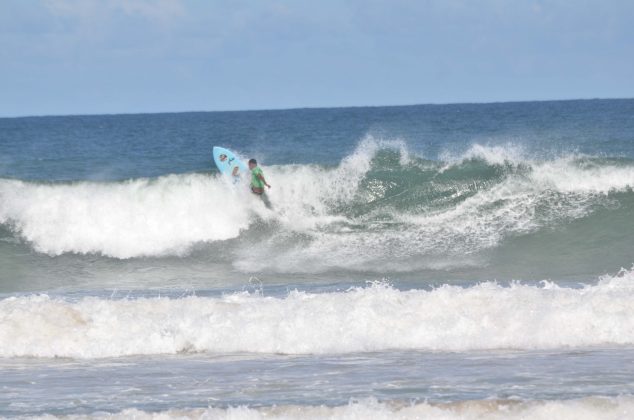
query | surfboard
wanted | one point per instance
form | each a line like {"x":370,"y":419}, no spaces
{"x":229,"y":164}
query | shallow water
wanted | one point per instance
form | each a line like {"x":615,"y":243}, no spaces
{"x":33,"y":387}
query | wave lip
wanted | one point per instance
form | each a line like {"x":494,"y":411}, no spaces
{"x":375,"y":318}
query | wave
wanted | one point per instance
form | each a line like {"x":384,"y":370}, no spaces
{"x":588,"y":408}
{"x":380,"y":207}
{"x":374,"y":318}
{"x":122,"y":220}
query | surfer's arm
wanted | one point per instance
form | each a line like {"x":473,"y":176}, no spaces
{"x":263,"y":180}
{"x":235,"y":171}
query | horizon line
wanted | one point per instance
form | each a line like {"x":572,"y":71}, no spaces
{"x":311,"y":108}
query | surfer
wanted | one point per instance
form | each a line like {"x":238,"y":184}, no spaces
{"x":257,"y":178}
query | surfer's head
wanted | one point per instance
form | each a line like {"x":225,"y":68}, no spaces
{"x":252,"y":163}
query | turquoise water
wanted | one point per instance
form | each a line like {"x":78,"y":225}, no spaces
{"x":399,"y":237}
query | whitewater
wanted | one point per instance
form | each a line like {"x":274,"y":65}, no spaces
{"x":457,"y":261}
{"x":374,"y":318}
{"x":617,"y":408}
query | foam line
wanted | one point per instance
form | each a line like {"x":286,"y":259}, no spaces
{"x":605,"y":408}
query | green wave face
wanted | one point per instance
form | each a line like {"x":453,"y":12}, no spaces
{"x":564,"y":217}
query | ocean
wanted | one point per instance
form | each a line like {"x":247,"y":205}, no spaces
{"x":430,"y":261}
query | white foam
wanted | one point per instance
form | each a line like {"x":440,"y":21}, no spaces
{"x":604,"y":408}
{"x":375,"y":318}
{"x":134,"y":218}
{"x":566,"y":176}
{"x":492,"y":154}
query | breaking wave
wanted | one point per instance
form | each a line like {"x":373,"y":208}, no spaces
{"x":373,"y":318}
{"x":381,"y":207}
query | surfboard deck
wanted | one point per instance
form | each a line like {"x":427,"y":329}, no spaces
{"x":229,"y":164}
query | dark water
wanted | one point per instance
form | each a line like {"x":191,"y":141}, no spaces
{"x":115,"y":147}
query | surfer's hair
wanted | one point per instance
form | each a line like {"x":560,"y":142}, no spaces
{"x":253,"y":161}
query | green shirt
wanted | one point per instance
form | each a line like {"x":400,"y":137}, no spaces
{"x":256,"y":182}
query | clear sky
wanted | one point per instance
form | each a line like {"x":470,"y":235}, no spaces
{"x":121,"y":56}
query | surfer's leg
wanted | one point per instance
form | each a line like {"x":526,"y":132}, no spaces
{"x":265,"y":200}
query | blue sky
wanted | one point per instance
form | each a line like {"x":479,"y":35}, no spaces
{"x":122,"y":56}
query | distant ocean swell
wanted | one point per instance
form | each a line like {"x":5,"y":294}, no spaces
{"x":373,"y":318}
{"x":379,"y":204}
